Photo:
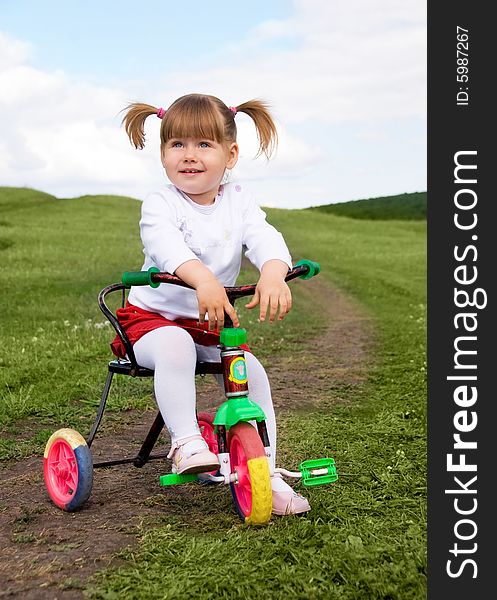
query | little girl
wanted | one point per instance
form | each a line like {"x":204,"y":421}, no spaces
{"x":197,"y":229}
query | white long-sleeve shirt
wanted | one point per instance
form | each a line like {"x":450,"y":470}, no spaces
{"x":174,"y":229}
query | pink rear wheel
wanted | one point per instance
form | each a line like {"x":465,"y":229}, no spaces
{"x":68,"y":469}
{"x":206,"y":425}
{"x":252,"y":495}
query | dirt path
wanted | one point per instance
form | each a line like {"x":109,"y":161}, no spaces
{"x":48,"y":554}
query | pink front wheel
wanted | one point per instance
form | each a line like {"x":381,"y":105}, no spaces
{"x":68,"y":469}
{"x":252,"y":494}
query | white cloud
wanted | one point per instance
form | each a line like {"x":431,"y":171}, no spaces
{"x":354,"y":61}
{"x":12,"y":52}
{"x":330,"y":64}
{"x":294,"y":156}
{"x":60,"y":134}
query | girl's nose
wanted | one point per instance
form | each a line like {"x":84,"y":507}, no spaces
{"x":189,"y":154}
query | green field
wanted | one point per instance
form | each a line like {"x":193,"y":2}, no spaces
{"x":365,"y":537}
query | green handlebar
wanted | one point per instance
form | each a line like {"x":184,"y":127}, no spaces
{"x":130,"y":278}
{"x":314,"y":268}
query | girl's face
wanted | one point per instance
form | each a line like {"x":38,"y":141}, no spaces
{"x":196,"y":166}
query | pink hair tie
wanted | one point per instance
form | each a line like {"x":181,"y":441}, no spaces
{"x":161,"y":112}
{"x":233,"y":109}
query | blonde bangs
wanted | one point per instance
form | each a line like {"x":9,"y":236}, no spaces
{"x":193,"y":117}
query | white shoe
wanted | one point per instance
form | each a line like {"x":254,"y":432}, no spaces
{"x":192,"y":455}
{"x":286,"y":501}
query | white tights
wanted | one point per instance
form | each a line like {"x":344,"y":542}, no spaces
{"x":172,"y":354}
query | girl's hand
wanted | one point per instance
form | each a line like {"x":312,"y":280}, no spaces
{"x":211,"y":295}
{"x":272,"y":291}
{"x":212,"y":299}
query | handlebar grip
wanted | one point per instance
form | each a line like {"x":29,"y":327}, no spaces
{"x":313,"y":268}
{"x":130,"y":278}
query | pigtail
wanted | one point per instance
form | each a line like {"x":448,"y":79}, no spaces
{"x":267,"y":135}
{"x":134,"y":122}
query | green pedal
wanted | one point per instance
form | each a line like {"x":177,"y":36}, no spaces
{"x":318,"y":472}
{"x":174,"y":479}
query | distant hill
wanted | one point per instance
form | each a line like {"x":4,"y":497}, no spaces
{"x":14,"y":199}
{"x":407,"y":207}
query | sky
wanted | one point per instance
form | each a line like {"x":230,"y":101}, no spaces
{"x":346,"y":83}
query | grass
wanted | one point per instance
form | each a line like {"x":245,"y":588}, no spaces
{"x":404,"y":206}
{"x":54,"y":339}
{"x":365,"y":537}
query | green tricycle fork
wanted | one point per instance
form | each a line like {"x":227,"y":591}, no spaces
{"x":238,"y":407}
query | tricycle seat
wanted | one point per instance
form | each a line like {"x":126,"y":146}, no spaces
{"x":124,"y":367}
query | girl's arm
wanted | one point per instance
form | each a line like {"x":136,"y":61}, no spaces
{"x":267,"y":250}
{"x":272,"y":291}
{"x":211,"y":295}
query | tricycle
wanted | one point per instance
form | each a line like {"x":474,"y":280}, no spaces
{"x":236,"y":433}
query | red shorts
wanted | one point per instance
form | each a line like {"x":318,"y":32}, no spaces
{"x":136,"y":322}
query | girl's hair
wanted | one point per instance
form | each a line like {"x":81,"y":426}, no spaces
{"x":201,"y":116}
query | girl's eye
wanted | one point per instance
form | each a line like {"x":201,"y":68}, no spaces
{"x":204,"y":145}
{"x":176,"y":144}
